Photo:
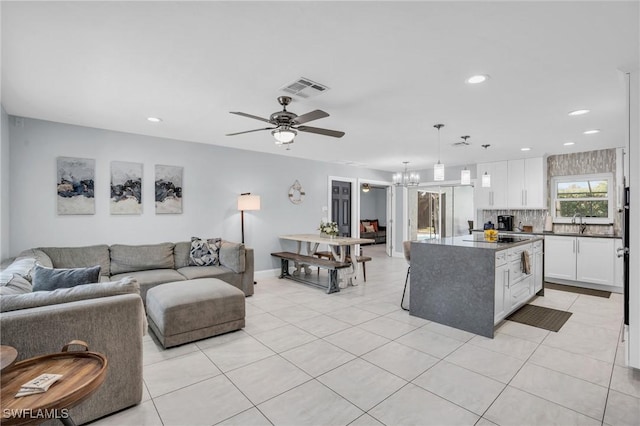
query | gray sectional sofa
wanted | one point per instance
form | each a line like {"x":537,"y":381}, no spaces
{"x":109,"y":316}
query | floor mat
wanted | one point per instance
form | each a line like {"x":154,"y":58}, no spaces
{"x":541,"y":317}
{"x":580,"y":290}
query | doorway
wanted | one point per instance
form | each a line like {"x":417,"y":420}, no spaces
{"x":440,"y":211}
{"x":375,"y":208}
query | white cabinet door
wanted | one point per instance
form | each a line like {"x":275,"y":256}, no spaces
{"x":499,"y":181}
{"x":538,"y":259}
{"x":535,"y":183}
{"x":494,"y":197}
{"x":595,"y":260}
{"x":618,"y":265}
{"x":515,"y":184}
{"x":560,"y":257}
{"x":502,"y":297}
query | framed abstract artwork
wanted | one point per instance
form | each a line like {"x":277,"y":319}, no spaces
{"x":168,"y":189}
{"x":126,"y":188}
{"x":75,"y":185}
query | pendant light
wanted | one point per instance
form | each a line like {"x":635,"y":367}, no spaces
{"x":438,"y":169}
{"x":486,"y":177}
{"x":465,"y":174}
{"x":486,"y":180}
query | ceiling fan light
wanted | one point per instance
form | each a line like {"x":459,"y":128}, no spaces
{"x":486,"y":180}
{"x":465,"y":177}
{"x":283,"y":136}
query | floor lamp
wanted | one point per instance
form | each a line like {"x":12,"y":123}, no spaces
{"x":247,"y":202}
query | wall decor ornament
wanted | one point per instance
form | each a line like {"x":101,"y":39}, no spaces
{"x":126,"y":188}
{"x":296,"y":193}
{"x":168,"y":184}
{"x":75,"y":185}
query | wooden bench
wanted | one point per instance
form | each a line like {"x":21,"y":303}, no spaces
{"x":331,"y":265}
{"x":359,"y":259}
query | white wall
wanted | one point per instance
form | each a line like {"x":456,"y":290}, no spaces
{"x":213,"y":178}
{"x":4,"y":184}
{"x":373,"y":205}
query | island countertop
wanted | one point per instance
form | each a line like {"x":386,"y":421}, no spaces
{"x":478,"y":241}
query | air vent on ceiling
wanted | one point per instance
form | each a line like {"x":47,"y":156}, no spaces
{"x":304,"y":88}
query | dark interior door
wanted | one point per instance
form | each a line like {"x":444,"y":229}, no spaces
{"x":341,"y":206}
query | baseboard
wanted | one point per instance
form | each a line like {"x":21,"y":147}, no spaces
{"x":267,"y":273}
{"x":612,"y":289}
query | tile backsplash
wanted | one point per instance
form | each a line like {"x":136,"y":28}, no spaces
{"x":536,"y":218}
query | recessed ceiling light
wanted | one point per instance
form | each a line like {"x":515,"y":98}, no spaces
{"x":525,"y":149}
{"x":475,"y":79}
{"x":569,"y":143}
{"x":154,"y":119}
{"x":579,"y":112}
{"x":591,"y":132}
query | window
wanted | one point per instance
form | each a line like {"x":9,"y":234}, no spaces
{"x":586,"y":196}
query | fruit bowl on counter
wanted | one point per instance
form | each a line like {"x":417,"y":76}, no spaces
{"x":491,"y":235}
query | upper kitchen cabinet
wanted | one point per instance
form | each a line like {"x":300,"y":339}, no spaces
{"x":527,"y":184}
{"x":515,"y":184}
{"x":495,"y":195}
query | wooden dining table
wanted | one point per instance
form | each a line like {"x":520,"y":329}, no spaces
{"x":339,"y":247}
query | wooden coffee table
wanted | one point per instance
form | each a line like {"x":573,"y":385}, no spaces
{"x":8,"y":355}
{"x":82,"y":374}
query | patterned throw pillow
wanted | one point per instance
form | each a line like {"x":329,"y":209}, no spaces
{"x":205,"y":252}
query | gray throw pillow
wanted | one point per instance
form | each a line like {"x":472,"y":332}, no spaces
{"x":48,"y":279}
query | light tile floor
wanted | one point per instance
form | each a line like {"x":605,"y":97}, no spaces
{"x":356,"y":358}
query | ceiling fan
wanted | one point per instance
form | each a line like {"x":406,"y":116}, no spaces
{"x":463,"y":142}
{"x":286,"y":124}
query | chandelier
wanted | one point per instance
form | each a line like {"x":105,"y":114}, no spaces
{"x":405,"y":178}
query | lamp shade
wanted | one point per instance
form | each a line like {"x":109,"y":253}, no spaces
{"x":465,"y":177}
{"x":438,"y":172}
{"x":248,"y":202}
{"x":486,"y":180}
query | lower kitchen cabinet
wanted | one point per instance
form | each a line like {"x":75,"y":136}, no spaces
{"x":590,"y":260}
{"x":513,"y":286}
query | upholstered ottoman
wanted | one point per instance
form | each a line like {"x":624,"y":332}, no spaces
{"x":184,"y":311}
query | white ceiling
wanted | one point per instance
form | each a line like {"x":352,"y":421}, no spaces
{"x":394,"y":70}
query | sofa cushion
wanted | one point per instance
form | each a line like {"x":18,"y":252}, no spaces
{"x":369,"y":228}
{"x":181,"y":254}
{"x":232,"y":255}
{"x":151,"y":278}
{"x":193,"y":272}
{"x":65,"y":295}
{"x":41,"y":257}
{"x":22,"y":267}
{"x":79,"y":257}
{"x":204,"y":252}
{"x":16,"y":285}
{"x":48,"y":279}
{"x":126,"y":258}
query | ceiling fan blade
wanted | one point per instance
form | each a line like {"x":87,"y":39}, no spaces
{"x":326,"y":132}
{"x":249,"y":131}
{"x":255,"y":117}
{"x":310,"y":116}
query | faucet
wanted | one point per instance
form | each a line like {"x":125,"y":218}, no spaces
{"x":583,"y":226}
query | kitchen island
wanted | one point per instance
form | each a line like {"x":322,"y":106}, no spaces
{"x":472,"y":284}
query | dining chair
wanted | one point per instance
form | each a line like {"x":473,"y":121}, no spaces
{"x":406,"y":248}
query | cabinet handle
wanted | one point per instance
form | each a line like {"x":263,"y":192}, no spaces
{"x":526,"y":197}
{"x":522,"y":197}
{"x":574,"y":246}
{"x":578,"y":246}
{"x":506,"y":278}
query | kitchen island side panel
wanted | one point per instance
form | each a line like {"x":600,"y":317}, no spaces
{"x":454,"y":286}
